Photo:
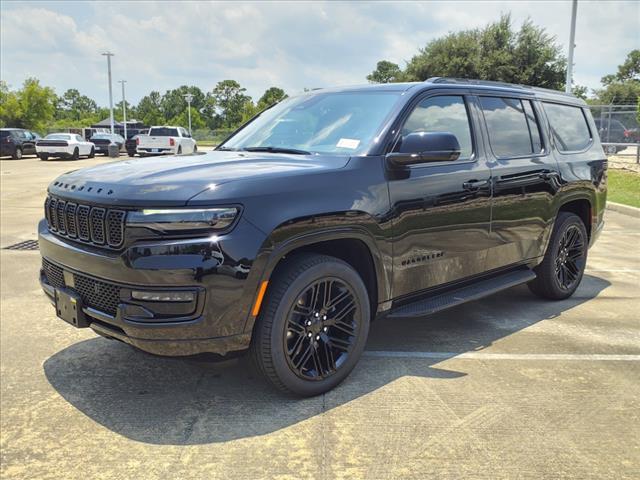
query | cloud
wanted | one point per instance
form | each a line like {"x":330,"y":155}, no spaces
{"x":293,"y":45}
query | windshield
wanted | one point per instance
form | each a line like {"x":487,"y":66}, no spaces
{"x":57,"y":136}
{"x":163,"y":132}
{"x":330,"y":123}
{"x":99,"y":136}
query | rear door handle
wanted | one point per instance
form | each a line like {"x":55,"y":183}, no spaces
{"x":475,"y":184}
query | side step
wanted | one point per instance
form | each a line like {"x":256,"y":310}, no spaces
{"x":474,"y":291}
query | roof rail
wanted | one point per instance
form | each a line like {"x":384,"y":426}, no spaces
{"x":492,"y":83}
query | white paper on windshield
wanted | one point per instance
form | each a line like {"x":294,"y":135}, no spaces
{"x":348,"y":143}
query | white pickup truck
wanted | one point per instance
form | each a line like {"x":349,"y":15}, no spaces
{"x":163,"y":140}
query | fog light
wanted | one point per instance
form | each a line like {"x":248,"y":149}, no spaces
{"x":163,"y":296}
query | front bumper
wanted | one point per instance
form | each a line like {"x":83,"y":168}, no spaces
{"x":218,"y":271}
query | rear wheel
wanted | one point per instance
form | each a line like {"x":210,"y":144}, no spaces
{"x":44,"y":156}
{"x":313,"y":326}
{"x":92,"y":153}
{"x":76,"y":154}
{"x":17,"y":155}
{"x":179,"y":152}
{"x":561,"y":271}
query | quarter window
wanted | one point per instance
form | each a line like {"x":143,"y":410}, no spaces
{"x":447,"y":113}
{"x":568,"y":127}
{"x":512,"y":126}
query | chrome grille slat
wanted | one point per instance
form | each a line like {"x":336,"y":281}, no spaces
{"x":94,"y":225}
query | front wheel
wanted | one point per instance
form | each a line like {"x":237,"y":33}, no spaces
{"x":562,"y":268}
{"x":92,"y":153}
{"x":313,"y":325}
{"x":17,"y":155}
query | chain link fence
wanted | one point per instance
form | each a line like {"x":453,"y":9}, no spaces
{"x":619,"y":131}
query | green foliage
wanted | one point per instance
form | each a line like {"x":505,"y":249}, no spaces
{"x":580,"y":91}
{"x":496,"y":52}
{"x":74,"y":106}
{"x":10,"y":109}
{"x":173,"y":102}
{"x":149,"y":109}
{"x":269,"y":97}
{"x":230,"y":103}
{"x":622,"y":87}
{"x":32,"y":107}
{"x":385,"y":72}
{"x":182,"y":120}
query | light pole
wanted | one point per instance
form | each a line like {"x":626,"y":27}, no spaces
{"x":572,"y":38}
{"x":188,"y":97}
{"x":109,"y":55}
{"x":124,"y":109}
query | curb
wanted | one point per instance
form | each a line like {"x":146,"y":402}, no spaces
{"x":626,"y":209}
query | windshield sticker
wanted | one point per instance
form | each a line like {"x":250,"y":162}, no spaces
{"x":348,"y":143}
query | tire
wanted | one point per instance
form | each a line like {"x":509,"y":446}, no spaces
{"x":131,"y":154}
{"x":195,"y":149}
{"x":76,"y":154}
{"x":17,"y":155}
{"x":179,"y":152}
{"x":44,"y":156}
{"x":322,"y":351}
{"x":561,"y":270}
{"x":92,"y":153}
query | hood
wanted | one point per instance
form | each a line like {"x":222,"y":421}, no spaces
{"x":172,"y":181}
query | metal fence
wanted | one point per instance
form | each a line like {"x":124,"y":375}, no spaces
{"x":619,"y":130}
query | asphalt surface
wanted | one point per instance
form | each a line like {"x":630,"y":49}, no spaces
{"x":507,"y":387}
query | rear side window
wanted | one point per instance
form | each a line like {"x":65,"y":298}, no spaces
{"x":568,"y":127}
{"x":5,"y":133}
{"x":512,"y":125}
{"x":447,"y":113}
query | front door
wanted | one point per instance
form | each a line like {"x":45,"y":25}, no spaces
{"x":442,"y":210}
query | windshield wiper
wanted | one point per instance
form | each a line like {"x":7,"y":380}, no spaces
{"x":294,"y":151}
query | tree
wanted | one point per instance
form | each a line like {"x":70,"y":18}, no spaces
{"x":182,"y":119}
{"x":132,"y":112}
{"x":270,"y":96}
{"x":10,"y":109}
{"x":496,"y":52}
{"x":173,"y":102}
{"x":149,"y":109}
{"x":580,"y":91}
{"x":74,"y":106}
{"x":230,"y":102}
{"x":385,"y":72}
{"x":31,"y":107}
{"x":622,"y":87}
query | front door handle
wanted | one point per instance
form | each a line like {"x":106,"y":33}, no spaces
{"x":475,"y":184}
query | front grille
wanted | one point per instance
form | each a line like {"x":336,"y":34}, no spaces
{"x":92,"y":225}
{"x":97,"y":294}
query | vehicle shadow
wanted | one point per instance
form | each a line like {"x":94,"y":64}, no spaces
{"x":186,"y":401}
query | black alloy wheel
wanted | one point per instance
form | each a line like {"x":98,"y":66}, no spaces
{"x":560,"y":272}
{"x":570,"y":257}
{"x":313,"y":324}
{"x":321,"y":329}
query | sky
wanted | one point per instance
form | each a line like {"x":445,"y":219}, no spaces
{"x":293,"y":45}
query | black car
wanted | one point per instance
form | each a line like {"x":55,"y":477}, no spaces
{"x":16,"y":142}
{"x":131,"y":143}
{"x":103,"y":140}
{"x":325,"y":212}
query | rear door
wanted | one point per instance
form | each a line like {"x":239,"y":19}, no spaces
{"x":29,"y":143}
{"x":442,"y":209}
{"x":525,"y":179}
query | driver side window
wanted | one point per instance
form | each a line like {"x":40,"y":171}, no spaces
{"x":446,"y":113}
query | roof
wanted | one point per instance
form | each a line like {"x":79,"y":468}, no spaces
{"x":466,"y":83}
{"x":107,"y":123}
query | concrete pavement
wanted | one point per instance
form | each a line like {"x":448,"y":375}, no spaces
{"x":507,"y":387}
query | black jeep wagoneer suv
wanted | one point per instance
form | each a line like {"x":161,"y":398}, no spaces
{"x":324,"y":212}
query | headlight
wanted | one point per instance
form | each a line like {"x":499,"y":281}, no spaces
{"x":182,"y":219}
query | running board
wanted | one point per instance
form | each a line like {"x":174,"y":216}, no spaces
{"x":480,"y":289}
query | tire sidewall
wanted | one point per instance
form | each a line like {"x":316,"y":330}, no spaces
{"x":345,"y":273}
{"x":18,"y":154}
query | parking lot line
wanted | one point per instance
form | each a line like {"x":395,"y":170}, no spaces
{"x":589,"y":357}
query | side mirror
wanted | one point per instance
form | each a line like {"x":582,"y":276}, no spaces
{"x":423,"y":147}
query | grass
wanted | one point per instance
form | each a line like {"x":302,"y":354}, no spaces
{"x":624,"y":187}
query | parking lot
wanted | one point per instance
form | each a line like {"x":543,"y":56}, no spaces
{"x":507,"y":387}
